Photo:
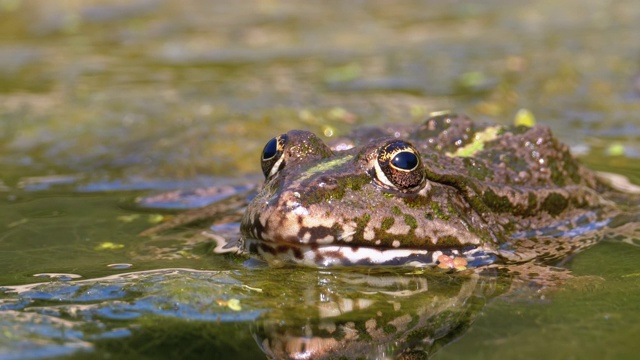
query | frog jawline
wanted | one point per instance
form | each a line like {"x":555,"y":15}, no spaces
{"x":278,"y":255}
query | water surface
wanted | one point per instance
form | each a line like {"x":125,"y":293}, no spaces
{"x":104,"y":101}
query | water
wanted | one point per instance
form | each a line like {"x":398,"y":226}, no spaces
{"x":104,"y":101}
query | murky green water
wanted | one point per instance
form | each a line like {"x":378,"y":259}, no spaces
{"x":103,"y":101}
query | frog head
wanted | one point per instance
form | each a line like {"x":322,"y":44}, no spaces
{"x":371,"y":204}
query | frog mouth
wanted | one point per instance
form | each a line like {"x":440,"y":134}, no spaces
{"x":278,"y":255}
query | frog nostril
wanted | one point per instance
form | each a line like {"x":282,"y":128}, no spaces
{"x":327,"y":182}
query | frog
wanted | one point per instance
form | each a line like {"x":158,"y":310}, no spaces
{"x":447,"y":192}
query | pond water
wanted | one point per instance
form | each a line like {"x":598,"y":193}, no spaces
{"x":105,"y":101}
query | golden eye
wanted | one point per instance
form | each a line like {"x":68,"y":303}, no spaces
{"x":398,"y":167}
{"x":270,"y":150}
{"x":405,"y":161}
{"x":271,"y":159}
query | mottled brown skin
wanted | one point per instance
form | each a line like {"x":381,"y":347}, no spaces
{"x":516,"y":197}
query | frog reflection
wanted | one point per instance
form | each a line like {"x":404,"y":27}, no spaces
{"x":373,"y":316}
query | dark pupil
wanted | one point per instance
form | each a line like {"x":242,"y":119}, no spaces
{"x":270,"y":149}
{"x":405,"y":160}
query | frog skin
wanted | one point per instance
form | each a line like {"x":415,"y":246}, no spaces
{"x":421,"y":194}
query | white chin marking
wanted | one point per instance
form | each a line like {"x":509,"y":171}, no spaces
{"x":330,"y":255}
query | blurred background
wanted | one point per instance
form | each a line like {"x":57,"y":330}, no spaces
{"x":153,"y":89}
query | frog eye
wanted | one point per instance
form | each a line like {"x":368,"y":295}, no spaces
{"x":405,"y":161}
{"x":272,"y":159}
{"x":398,"y":167}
